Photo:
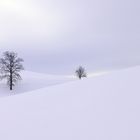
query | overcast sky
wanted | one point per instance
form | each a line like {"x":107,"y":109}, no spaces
{"x":67,"y":33}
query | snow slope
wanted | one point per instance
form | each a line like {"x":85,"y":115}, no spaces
{"x":32,"y":81}
{"x":100,"y":108}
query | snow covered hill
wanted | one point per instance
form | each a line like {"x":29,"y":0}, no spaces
{"x":100,"y":108}
{"x":32,"y":81}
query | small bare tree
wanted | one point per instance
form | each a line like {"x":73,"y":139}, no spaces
{"x":80,"y":72}
{"x":10,"y":66}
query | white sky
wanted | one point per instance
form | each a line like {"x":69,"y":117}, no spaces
{"x":77,"y":31}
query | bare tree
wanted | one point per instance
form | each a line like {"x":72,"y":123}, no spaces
{"x":10,"y":66}
{"x":80,"y":72}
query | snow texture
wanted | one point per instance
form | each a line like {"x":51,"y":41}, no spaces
{"x":99,"y":108}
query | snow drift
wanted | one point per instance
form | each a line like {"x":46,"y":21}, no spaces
{"x":33,"y":81}
{"x":100,"y":108}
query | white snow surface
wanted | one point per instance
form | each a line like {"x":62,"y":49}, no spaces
{"x":32,"y":81}
{"x":99,"y":108}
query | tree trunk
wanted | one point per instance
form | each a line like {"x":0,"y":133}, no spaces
{"x":11,"y":80}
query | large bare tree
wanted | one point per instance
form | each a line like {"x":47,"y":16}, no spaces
{"x":10,"y":66}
